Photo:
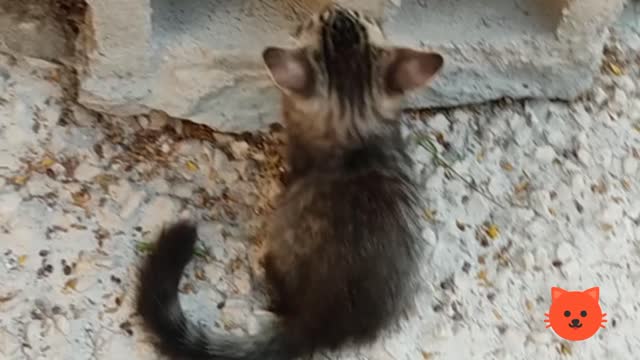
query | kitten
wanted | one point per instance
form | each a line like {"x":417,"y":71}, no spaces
{"x":343,"y":250}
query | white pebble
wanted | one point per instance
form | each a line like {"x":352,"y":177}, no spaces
{"x":86,"y":172}
{"x":132,"y":204}
{"x":564,"y":251}
{"x":439,"y":123}
{"x":477,"y":209}
{"x":62,"y":324}
{"x":239,"y":149}
{"x":9,"y":202}
{"x":585,"y":157}
{"x":599,"y":96}
{"x":545,"y":154}
{"x":626,"y":84}
{"x":611,"y":214}
{"x":630,"y":166}
{"x":620,"y":100}
{"x":158,"y":120}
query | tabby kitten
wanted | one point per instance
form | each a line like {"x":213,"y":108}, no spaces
{"x":344,"y":248}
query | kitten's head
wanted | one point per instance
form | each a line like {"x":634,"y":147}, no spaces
{"x":343,"y":83}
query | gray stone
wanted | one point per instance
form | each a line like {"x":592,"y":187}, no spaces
{"x":201,"y":60}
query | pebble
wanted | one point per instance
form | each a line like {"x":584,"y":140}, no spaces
{"x":545,"y":154}
{"x":540,"y":201}
{"x":620,"y":100}
{"x":33,"y":333}
{"x":611,"y":214}
{"x":626,"y":84}
{"x":564,"y":251}
{"x":599,"y":96}
{"x":62,"y":324}
{"x":585,"y":157}
{"x":86,"y":172}
{"x":478,"y":209}
{"x":131,"y":204}
{"x":158,"y":120}
{"x":158,"y":212}
{"x":239,"y":149}
{"x":439,"y":123}
{"x":9,"y":345}
{"x":630,"y":166}
{"x":9,"y":203}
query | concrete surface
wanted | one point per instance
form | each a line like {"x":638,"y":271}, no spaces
{"x":199,"y":59}
{"x":22,"y":25}
{"x":82,"y":194}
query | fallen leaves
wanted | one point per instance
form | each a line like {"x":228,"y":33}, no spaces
{"x":81,"y":198}
{"x":70,"y":284}
{"x":192,"y":166}
{"x":22,"y":259}
{"x":615,"y":69}
{"x":506,"y":166}
{"x":492,"y":231}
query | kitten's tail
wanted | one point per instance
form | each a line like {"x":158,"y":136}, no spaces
{"x":162,"y":314}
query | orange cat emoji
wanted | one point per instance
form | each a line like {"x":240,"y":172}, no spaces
{"x":575,"y":315}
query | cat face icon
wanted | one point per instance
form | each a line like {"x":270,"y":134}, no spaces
{"x":575,"y":315}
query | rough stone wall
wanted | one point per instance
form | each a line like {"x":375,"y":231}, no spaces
{"x":199,"y":59}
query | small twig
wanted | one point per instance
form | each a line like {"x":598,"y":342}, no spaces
{"x":426,"y":142}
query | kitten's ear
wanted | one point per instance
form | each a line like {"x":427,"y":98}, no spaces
{"x":594,"y":292}
{"x":556,"y":292}
{"x":411,"y":69}
{"x":289,"y":69}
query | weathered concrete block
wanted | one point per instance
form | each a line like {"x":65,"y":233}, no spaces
{"x":200,"y":59}
{"x":31,"y":28}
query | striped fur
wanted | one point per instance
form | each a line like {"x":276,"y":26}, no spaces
{"x":343,"y":248}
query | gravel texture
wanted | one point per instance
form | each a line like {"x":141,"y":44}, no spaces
{"x":522,"y":196}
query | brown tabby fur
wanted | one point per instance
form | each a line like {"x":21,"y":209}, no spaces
{"x":344,"y":245}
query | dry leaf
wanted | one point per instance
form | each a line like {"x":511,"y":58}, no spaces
{"x":22,"y":259}
{"x":8,"y":297}
{"x":71,"y":284}
{"x":200,"y":275}
{"x":521,"y":187}
{"x":20,"y":180}
{"x":46,"y":162}
{"x":506,"y":166}
{"x":427,"y":355}
{"x":80,"y":198}
{"x":626,"y":184}
{"x":606,"y":227}
{"x":192,"y":166}
{"x":529,"y":305}
{"x":430,"y":214}
{"x":497,"y":315}
{"x":493,"y":231}
{"x":565,"y":349}
{"x":615,"y":69}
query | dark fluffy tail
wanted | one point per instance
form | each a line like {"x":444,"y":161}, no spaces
{"x":162,"y":314}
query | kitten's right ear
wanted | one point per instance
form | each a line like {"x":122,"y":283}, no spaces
{"x":289,"y":69}
{"x":411,"y":69}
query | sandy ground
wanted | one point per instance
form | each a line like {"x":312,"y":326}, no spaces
{"x":522,"y":196}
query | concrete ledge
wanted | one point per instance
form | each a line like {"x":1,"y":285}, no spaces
{"x":199,"y":59}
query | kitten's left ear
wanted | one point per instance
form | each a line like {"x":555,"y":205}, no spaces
{"x":289,"y":69}
{"x":411,"y":69}
{"x":594,"y":292}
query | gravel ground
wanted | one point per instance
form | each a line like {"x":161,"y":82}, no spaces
{"x":522,"y":196}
